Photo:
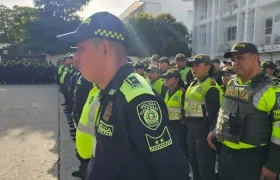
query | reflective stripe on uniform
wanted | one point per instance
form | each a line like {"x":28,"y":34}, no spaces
{"x":275,"y":137}
{"x":174,"y":110}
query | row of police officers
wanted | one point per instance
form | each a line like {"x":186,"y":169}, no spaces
{"x":151,"y":121}
{"x":23,"y":72}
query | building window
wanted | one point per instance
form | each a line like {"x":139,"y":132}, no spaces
{"x":231,"y":33}
{"x":190,"y":15}
{"x":268,"y":25}
{"x":277,"y":18}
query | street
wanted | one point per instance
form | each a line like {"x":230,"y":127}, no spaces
{"x":34,"y":134}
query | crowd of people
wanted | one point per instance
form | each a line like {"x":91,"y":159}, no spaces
{"x":195,"y":117}
{"x":22,"y":72}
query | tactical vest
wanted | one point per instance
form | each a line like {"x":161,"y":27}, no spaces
{"x":255,"y":126}
{"x":174,"y":105}
{"x":184,"y":73}
{"x":195,"y":98}
{"x":158,"y":85}
{"x":85,"y":134}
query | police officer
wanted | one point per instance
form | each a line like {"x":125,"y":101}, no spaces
{"x":156,"y":81}
{"x":85,"y":137}
{"x":217,"y":70}
{"x":154,"y":60}
{"x":227,"y":74}
{"x":134,"y":140}
{"x":164,"y":64}
{"x":248,"y":121}
{"x":174,"y":99}
{"x":269,"y":67}
{"x":202,"y":103}
{"x":139,"y":68}
{"x":186,"y":74}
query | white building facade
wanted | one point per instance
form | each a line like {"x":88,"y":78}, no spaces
{"x":182,"y":10}
{"x":218,"y":24}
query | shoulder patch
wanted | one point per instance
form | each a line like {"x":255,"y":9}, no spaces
{"x":149,"y":113}
{"x":133,"y":82}
{"x":162,"y":141}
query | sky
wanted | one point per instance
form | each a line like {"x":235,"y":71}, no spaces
{"x":113,"y":6}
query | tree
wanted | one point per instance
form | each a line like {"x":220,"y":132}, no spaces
{"x":6,"y":21}
{"x":23,"y":17}
{"x":49,"y":19}
{"x":159,"y":34}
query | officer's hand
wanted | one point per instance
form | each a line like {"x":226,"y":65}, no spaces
{"x":267,"y":174}
{"x":210,"y":137}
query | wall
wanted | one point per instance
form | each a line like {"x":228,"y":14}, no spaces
{"x":263,"y":14}
{"x":54,"y":58}
{"x":180,"y":9}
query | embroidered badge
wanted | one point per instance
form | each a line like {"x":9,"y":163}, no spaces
{"x":108,"y":111}
{"x":149,"y":113}
{"x":105,"y":129}
{"x":160,"y":142}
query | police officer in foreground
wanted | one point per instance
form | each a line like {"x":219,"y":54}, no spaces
{"x":133,"y":138}
{"x":248,"y":122}
{"x":202,"y":103}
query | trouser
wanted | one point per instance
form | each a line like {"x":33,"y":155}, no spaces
{"x":83,"y":165}
{"x":181,"y":131}
{"x":245,"y":164}
{"x":201,"y":156}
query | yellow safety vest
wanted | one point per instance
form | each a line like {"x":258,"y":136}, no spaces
{"x":85,"y":134}
{"x":63,"y":76}
{"x":158,"y":85}
{"x":174,"y":105}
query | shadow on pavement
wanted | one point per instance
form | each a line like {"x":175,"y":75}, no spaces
{"x":29,"y":131}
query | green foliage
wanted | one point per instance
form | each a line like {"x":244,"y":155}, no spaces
{"x":5,"y":24}
{"x":159,"y":34}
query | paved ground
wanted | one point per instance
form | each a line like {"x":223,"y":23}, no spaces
{"x":34,"y":134}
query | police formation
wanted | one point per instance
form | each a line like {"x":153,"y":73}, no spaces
{"x":23,"y":72}
{"x":157,"y":118}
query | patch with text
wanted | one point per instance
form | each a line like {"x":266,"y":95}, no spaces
{"x":149,"y":113}
{"x":105,"y":129}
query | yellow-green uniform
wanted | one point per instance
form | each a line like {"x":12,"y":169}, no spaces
{"x":175,"y":102}
{"x":248,"y":126}
{"x":202,"y":103}
{"x":184,"y":73}
{"x":159,"y":87}
{"x":85,"y":139}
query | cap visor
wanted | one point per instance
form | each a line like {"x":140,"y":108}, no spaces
{"x":191,"y":62}
{"x":228,"y":54}
{"x":164,"y":76}
{"x":71,"y":38}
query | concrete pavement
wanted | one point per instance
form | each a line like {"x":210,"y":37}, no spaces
{"x":34,"y":134}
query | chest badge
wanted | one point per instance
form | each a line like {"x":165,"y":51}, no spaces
{"x":108,"y":111}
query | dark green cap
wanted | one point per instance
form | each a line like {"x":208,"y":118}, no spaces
{"x":227,"y":70}
{"x":155,"y":57}
{"x":268,"y":64}
{"x":180,"y":57}
{"x":139,"y":65}
{"x":164,"y":59}
{"x":215,"y":60}
{"x":199,"y":58}
{"x":153,"y":69}
{"x":171,"y":73}
{"x":242,"y":48}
